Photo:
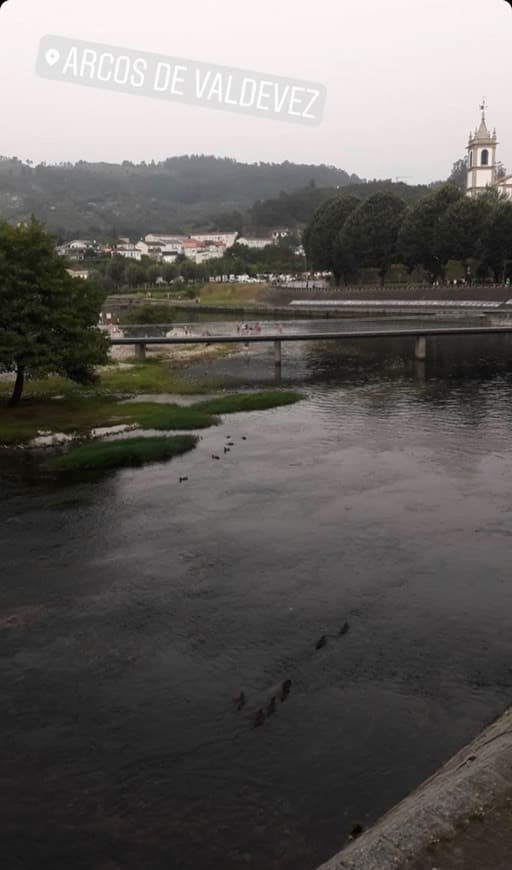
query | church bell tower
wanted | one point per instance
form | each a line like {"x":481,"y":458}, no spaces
{"x":481,"y":160}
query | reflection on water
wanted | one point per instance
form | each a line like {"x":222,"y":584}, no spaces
{"x":135,"y":609}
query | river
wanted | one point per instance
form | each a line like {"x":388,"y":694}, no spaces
{"x":135,"y":609}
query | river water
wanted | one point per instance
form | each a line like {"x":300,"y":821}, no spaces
{"x":135,"y":609}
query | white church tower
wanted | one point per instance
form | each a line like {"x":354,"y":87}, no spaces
{"x":481,"y":160}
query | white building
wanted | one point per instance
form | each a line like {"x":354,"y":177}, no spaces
{"x":79,"y":273}
{"x":255,"y":243}
{"x":208,"y":254}
{"x":76,"y":249}
{"x":227,"y":240}
{"x":128,"y":251}
{"x":80,"y":245}
{"x":169,"y":253}
{"x":149,"y":250}
{"x":199,"y":248}
{"x":163,"y":239}
{"x":482,"y":165}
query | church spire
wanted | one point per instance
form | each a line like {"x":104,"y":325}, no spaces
{"x":482,"y":134}
{"x":481,"y":161}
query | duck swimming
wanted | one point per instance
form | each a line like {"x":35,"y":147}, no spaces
{"x":285,"y":689}
{"x":260,"y":718}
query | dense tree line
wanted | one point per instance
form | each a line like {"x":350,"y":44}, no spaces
{"x":346,"y":236}
{"x":120,"y":274}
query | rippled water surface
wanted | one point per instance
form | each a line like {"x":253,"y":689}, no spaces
{"x":134,"y":609}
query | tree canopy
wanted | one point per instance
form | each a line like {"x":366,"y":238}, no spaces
{"x":321,"y":234}
{"x":421,"y":239}
{"x":497,"y":239}
{"x":442,"y":226}
{"x":48,"y":319}
{"x":370,"y":233}
{"x":462,"y":227}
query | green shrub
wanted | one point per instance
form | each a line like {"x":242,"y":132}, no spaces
{"x":128,"y":452}
{"x":249,"y":401}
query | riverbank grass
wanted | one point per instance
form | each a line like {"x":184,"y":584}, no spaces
{"x":78,"y":416}
{"x":125,"y":453}
{"x":118,"y":380}
{"x":238,"y":402}
{"x":232,"y":294}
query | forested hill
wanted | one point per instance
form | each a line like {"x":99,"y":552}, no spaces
{"x":178,"y":194}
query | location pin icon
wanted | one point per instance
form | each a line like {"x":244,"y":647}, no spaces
{"x":52,"y":56}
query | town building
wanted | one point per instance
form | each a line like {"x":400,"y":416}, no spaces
{"x":76,"y":249}
{"x":483,"y":169}
{"x":255,"y":243}
{"x":127,"y":250}
{"x":227,"y":240}
{"x":78,"y":272}
{"x":199,"y":249}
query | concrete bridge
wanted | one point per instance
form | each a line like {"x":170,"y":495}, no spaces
{"x":419,"y":333}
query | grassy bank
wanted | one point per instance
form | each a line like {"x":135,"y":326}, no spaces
{"x":115,"y":381}
{"x":56,"y":405}
{"x":130,"y":452}
{"x":231,"y":294}
{"x":78,"y":416}
{"x":237,"y":402}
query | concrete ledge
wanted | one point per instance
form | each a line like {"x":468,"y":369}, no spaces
{"x":438,"y":818}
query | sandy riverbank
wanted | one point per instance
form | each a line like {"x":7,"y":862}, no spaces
{"x":178,"y":355}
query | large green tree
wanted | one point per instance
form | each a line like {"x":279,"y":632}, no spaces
{"x":116,"y":270}
{"x":497,"y":239}
{"x":135,"y":275}
{"x":321,"y":235}
{"x":369,"y":236}
{"x":462,"y":227}
{"x":48,"y":319}
{"x":420,"y":240}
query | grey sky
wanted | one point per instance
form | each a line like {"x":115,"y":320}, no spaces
{"x":404,"y":79}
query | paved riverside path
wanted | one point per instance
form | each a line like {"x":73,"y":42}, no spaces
{"x":459,"y":819}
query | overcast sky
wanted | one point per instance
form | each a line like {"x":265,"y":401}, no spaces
{"x":404,"y":80}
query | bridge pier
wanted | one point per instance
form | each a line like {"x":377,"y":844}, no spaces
{"x":277,"y":355}
{"x":420,"y":369}
{"x":140,"y":352}
{"x":420,"y":350}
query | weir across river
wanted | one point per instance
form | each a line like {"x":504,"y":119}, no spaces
{"x":419,"y":333}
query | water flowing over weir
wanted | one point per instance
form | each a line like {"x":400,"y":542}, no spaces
{"x":135,"y":609}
